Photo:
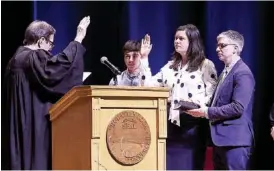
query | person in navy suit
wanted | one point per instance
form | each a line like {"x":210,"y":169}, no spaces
{"x":230,"y":113}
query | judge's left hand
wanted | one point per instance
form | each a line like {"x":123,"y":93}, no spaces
{"x":198,"y":113}
{"x":82,"y":29}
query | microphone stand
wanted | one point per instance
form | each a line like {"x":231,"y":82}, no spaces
{"x":115,"y":79}
{"x":114,"y":73}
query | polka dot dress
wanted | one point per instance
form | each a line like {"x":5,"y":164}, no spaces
{"x":197,"y":86}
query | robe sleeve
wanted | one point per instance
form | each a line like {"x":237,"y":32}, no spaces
{"x":59,"y":73}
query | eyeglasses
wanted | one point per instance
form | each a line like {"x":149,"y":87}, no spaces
{"x":223,"y":45}
{"x":50,"y":43}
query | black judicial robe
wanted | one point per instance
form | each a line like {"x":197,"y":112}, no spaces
{"x":34,"y":80}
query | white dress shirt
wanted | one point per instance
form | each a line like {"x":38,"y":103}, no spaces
{"x":130,"y":79}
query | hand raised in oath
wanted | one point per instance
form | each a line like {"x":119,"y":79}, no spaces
{"x":146,"y":46}
{"x":82,"y":29}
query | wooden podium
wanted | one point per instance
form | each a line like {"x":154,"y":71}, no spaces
{"x":110,"y":128}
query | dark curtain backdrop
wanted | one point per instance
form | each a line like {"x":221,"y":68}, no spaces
{"x":113,"y":23}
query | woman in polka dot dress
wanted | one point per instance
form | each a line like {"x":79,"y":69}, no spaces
{"x":190,"y":77}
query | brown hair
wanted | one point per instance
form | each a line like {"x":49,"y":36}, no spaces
{"x":195,"y":52}
{"x":132,"y":46}
{"x":36,"y":30}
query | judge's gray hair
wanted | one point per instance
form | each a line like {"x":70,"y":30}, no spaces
{"x":235,"y":38}
{"x":36,"y":30}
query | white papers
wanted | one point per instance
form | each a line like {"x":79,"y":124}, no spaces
{"x":85,"y":75}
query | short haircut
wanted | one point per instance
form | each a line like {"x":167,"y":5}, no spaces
{"x":132,"y":46}
{"x":36,"y":30}
{"x":235,"y":37}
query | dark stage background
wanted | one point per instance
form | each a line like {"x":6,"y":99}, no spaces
{"x":113,"y":23}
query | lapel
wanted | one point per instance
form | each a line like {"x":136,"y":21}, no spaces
{"x":227,"y":78}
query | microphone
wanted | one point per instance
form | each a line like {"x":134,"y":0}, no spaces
{"x":115,"y":70}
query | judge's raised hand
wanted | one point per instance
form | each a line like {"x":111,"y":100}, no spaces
{"x":145,"y":46}
{"x":82,"y":29}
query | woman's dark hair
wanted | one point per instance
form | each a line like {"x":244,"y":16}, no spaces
{"x":195,"y":52}
{"x":36,"y":30}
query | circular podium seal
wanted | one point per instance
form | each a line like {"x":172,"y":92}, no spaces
{"x":128,"y":137}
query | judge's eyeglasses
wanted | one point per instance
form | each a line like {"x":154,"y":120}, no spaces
{"x":50,"y":43}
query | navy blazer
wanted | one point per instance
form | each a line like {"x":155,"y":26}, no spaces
{"x":231,"y":114}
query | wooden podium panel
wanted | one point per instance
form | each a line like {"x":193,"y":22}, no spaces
{"x":110,"y":128}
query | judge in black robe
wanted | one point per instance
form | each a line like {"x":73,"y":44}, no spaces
{"x":34,"y":80}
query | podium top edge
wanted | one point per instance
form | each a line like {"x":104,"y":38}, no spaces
{"x":99,"y":87}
